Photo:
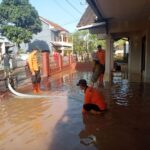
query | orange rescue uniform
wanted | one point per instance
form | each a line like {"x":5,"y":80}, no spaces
{"x":101,"y":56}
{"x":33,"y":63}
{"x":93,"y":96}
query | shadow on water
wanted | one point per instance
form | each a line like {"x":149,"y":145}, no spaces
{"x":58,"y":124}
{"x":126,"y":125}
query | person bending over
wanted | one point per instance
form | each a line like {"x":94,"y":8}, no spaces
{"x":93,"y":100}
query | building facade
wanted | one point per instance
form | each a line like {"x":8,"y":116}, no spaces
{"x":118,"y":19}
{"x":52,"y":38}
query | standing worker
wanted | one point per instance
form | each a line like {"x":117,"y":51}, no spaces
{"x":35,"y":70}
{"x":96,"y":69}
{"x":101,"y":57}
{"x":6,"y":59}
{"x":93,"y":100}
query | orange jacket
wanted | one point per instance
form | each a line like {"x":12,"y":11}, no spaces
{"x":33,"y":62}
{"x":93,"y":96}
{"x":101,"y":56}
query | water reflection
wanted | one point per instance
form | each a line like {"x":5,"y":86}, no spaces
{"x":121,"y":92}
{"x":91,"y":133}
{"x":58,"y":124}
{"x":45,"y":84}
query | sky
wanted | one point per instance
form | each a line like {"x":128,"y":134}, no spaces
{"x":66,"y":13}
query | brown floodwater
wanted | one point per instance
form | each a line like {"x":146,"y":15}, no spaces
{"x":56,"y":123}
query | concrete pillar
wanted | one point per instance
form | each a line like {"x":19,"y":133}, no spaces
{"x":147,"y":59}
{"x":134,"y":63}
{"x":108,"y":59}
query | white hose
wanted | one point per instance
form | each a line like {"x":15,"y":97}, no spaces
{"x":40,"y":96}
{"x":30,"y":95}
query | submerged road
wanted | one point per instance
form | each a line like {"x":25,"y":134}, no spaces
{"x":58,"y":124}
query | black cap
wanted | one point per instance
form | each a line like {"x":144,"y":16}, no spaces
{"x":35,"y":48}
{"x":99,"y":46}
{"x":82,"y":82}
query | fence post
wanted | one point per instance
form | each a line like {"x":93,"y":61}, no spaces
{"x":45,"y":63}
{"x":70,"y":59}
{"x":60,"y":62}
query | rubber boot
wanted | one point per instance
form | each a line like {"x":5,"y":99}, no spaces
{"x":38,"y":87}
{"x":35,"y":89}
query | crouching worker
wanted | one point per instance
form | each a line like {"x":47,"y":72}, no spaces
{"x":93,"y":99}
{"x":35,"y":70}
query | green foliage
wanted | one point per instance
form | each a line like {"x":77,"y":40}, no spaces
{"x":84,"y":41}
{"x":120,"y":42}
{"x":118,"y":45}
{"x":19,"y":20}
{"x":15,"y":2}
{"x":16,"y":34}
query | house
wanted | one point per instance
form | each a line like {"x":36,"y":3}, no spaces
{"x":4,"y":44}
{"x":52,"y":38}
{"x":115,"y":20}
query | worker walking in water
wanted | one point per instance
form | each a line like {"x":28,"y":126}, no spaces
{"x":96,"y":69}
{"x":101,"y":57}
{"x":35,"y":70}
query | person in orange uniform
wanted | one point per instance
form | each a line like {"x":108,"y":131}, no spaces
{"x":101,"y":57}
{"x":35,"y":70}
{"x":93,"y":100}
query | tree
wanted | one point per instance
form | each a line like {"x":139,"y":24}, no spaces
{"x":19,"y":20}
{"x":84,"y":41}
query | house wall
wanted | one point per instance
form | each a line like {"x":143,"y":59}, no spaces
{"x":135,"y":56}
{"x":134,"y":64}
{"x":147,"y":59}
{"x":41,"y":40}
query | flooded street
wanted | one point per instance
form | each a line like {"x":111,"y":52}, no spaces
{"x":56,"y":123}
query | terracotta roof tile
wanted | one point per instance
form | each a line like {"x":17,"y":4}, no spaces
{"x":56,"y":26}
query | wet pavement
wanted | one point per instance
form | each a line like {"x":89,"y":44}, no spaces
{"x":58,"y":124}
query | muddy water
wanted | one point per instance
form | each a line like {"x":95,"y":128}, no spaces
{"x":58,"y":124}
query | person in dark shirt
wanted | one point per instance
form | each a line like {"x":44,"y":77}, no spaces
{"x":96,"y":69}
{"x":6,"y":59}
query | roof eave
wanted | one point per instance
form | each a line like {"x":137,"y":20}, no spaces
{"x":93,"y":25}
{"x":93,"y":5}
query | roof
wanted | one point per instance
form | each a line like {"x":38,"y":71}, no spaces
{"x":129,"y":10}
{"x":89,"y":20}
{"x":115,"y":15}
{"x":6,"y":41}
{"x":54,"y":25}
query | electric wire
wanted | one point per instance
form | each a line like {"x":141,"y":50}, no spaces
{"x":65,"y":10}
{"x":74,"y":7}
